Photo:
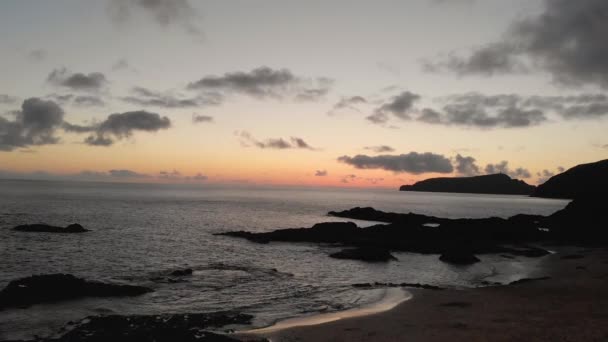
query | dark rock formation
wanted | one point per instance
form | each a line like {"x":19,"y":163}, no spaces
{"x":459,"y":256}
{"x":406,"y":232}
{"x":57,"y":287}
{"x":487,"y":184}
{"x":584,"y":220}
{"x":414,"y":285}
{"x":364,"y":254}
{"x":182,"y":273}
{"x":158,"y":328}
{"x":45,"y":228}
{"x":527,"y":280}
{"x":585,"y":181}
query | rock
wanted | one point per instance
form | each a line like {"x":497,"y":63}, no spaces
{"x":58,"y":287}
{"x":44,"y":228}
{"x":572,"y":257}
{"x":527,"y":280}
{"x":414,"y":285}
{"x":364,"y":254}
{"x":459,"y":257}
{"x":486,"y":184}
{"x":585,"y":181}
{"x":182,"y":273}
{"x":158,"y":328}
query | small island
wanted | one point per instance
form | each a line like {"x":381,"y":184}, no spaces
{"x":498,"y":184}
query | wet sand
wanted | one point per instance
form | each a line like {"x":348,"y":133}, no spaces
{"x":570,"y":306}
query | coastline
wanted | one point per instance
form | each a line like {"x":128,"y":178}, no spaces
{"x":571,"y":305}
{"x":392,"y":298}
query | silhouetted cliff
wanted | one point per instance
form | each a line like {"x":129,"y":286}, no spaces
{"x":488,"y":184}
{"x":582,"y":181}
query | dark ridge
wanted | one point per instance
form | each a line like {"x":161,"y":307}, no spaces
{"x":585,"y":181}
{"x":527,"y":280}
{"x":413,"y":285}
{"x":46,"y":288}
{"x":488,"y":184}
{"x":45,"y":228}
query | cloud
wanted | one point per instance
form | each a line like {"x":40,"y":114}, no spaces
{"x":200,"y":177}
{"x":348,"y":178}
{"x":89,"y":101}
{"x":120,"y":126}
{"x":379,"y":148}
{"x":413,"y":162}
{"x":7,"y":99}
{"x":121,"y":64}
{"x":85,"y":175}
{"x":567,"y":40}
{"x":503,"y":167}
{"x":466,"y":165}
{"x":165,"y":13}
{"x":146,"y":97}
{"x":320,"y":173}
{"x":94,"y":81}
{"x":347,"y":103}
{"x":35,"y":124}
{"x":197,"y":118}
{"x":123,"y":173}
{"x":37,"y":55}
{"x":400,"y":106}
{"x":264,"y":82}
{"x":278,"y":143}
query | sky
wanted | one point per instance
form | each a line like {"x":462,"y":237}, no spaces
{"x":305,"y":93}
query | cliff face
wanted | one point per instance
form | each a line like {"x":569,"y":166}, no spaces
{"x":488,"y":184}
{"x":582,"y":181}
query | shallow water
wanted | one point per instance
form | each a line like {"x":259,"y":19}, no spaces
{"x":142,"y":231}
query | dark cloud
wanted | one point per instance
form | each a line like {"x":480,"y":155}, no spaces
{"x":146,"y":97}
{"x":120,"y":126}
{"x":170,"y":174}
{"x":347,"y":103}
{"x":197,"y":118}
{"x":429,"y":115}
{"x":568,"y":40}
{"x":503,"y":167}
{"x":7,"y":99}
{"x":562,"y":169}
{"x":320,"y":173}
{"x":279,"y":143}
{"x":466,"y":165}
{"x":379,"y":148}
{"x":89,"y":101}
{"x":399,"y":106}
{"x":35,"y":124}
{"x":164,"y":12}
{"x":511,"y":110}
{"x":264,"y":82}
{"x":413,"y":162}
{"x":94,"y":81}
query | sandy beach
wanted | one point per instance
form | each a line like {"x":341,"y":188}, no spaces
{"x":572,"y":305}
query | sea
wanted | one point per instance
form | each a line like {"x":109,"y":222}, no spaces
{"x":141,"y":232}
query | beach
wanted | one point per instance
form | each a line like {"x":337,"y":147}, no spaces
{"x":571,"y":305}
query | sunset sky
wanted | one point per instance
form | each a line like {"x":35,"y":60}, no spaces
{"x":337,"y":93}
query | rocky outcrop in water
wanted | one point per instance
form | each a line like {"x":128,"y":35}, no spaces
{"x":585,"y":181}
{"x":157,"y":328}
{"x":407,"y":232}
{"x":46,"y":288}
{"x":459,"y":256}
{"x":45,"y":228}
{"x":487,"y":184}
{"x":370,"y":254}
